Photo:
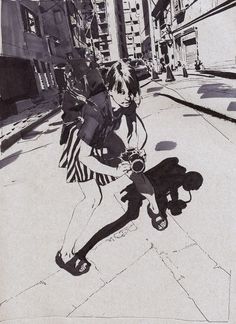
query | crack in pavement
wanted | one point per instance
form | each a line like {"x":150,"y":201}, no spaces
{"x":196,"y":243}
{"x":186,"y":247}
{"x":108,"y":282}
{"x":41,"y":282}
{"x":164,"y":256}
{"x":178,"y":281}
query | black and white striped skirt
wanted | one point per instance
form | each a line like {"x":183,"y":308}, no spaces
{"x":76,"y":170}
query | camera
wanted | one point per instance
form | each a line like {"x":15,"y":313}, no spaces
{"x":135,"y":159}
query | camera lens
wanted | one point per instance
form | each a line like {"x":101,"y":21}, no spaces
{"x":138,"y":165}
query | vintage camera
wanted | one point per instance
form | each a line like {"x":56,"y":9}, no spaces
{"x":135,"y":158}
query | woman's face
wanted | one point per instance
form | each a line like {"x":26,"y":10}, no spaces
{"x":122,"y":99}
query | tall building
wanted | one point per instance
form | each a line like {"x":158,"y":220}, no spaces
{"x":109,"y":45}
{"x":134,"y":27}
{"x":197,"y":30}
{"x":120,"y":23}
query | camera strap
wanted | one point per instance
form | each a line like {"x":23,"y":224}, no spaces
{"x":144,"y":128}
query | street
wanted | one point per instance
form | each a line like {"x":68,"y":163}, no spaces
{"x":183,"y":274}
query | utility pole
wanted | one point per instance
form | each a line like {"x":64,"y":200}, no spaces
{"x":153,"y":46}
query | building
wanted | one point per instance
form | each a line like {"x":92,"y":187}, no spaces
{"x":34,"y":37}
{"x":108,"y":44}
{"x":120,"y":29}
{"x":134,"y":27}
{"x":23,"y":50}
{"x":197,"y":30}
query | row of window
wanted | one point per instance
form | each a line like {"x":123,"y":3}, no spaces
{"x":44,"y":74}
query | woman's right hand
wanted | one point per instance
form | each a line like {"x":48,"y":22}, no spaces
{"x":122,"y":169}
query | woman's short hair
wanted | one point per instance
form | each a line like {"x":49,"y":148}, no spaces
{"x":121,"y":74}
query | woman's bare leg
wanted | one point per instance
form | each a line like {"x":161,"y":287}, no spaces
{"x":80,"y":218}
{"x":145,"y":188}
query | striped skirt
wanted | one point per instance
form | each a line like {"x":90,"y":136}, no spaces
{"x":76,"y":170}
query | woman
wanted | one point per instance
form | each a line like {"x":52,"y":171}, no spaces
{"x":92,"y":157}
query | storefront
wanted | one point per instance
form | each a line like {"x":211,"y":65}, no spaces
{"x":186,"y":47}
{"x":17,"y":81}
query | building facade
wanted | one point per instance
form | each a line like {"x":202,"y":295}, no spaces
{"x":34,"y":37}
{"x":197,"y":30}
{"x":108,"y":43}
{"x":134,"y":27}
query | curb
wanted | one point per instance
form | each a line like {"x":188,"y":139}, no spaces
{"x":203,"y":109}
{"x":8,"y":142}
{"x":206,"y":110}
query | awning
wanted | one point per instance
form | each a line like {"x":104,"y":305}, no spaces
{"x":160,"y":6}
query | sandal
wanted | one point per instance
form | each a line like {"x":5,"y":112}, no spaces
{"x":159,"y":221}
{"x":74,"y":266}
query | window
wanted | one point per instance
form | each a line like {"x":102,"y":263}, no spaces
{"x":44,"y":69}
{"x":30,"y":21}
{"x":178,"y":6}
{"x":40,"y":78}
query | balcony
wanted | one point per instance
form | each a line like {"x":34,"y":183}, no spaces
{"x":103,"y":32}
{"x":159,"y":7}
{"x":101,"y":9}
{"x":105,"y":51}
{"x":102,"y":21}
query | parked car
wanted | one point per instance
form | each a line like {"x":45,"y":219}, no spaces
{"x":141,"y":69}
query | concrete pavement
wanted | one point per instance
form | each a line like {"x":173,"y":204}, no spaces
{"x":138,"y":275}
{"x":15,"y":127}
{"x":204,"y":93}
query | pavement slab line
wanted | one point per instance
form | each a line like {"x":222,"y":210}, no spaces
{"x":41,"y":282}
{"x":109,"y":281}
{"x":170,"y":265}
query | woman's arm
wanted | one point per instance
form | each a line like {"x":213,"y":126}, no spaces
{"x":134,"y":139}
{"x":96,"y":166}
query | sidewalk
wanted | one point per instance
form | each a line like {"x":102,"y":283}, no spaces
{"x":15,"y":127}
{"x":138,"y":275}
{"x":206,"y":93}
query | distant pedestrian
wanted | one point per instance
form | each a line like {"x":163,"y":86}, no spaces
{"x":59,"y":72}
{"x":198,"y":64}
{"x":185,"y":73}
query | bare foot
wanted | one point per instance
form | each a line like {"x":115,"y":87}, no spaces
{"x":66,"y":256}
{"x":155,"y":209}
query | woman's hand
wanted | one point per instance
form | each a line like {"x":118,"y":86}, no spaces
{"x":122,"y":169}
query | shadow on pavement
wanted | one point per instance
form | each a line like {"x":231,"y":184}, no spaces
{"x":49,"y":131}
{"x":31,"y":135}
{"x":166,"y":177}
{"x":165,"y":146}
{"x":232,"y":106}
{"x":56,"y":123}
{"x":191,"y":115}
{"x":217,"y":90}
{"x":154,"y":89}
{"x":9,"y":159}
